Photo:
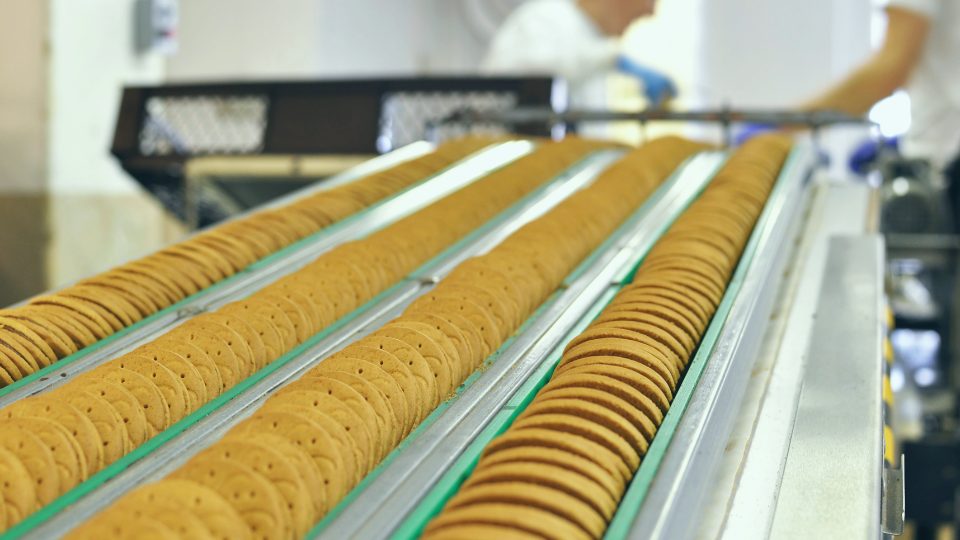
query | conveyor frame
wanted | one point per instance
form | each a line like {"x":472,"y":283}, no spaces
{"x":163,"y":453}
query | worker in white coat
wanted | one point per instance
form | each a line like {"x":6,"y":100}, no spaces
{"x":921,"y":53}
{"x":579,"y":41}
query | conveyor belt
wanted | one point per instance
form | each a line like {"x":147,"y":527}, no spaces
{"x":402,"y":485}
{"x":182,"y":440}
{"x":279,"y":264}
{"x":412,"y":484}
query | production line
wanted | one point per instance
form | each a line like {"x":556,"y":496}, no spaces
{"x":476,"y":270}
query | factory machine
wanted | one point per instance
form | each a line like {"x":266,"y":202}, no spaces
{"x":777,"y":424}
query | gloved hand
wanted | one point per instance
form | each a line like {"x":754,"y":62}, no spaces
{"x":657,"y":87}
{"x":866,"y":153}
{"x":749,"y":131}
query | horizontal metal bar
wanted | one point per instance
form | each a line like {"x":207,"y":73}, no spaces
{"x":523,"y":115}
{"x":206,"y":430}
{"x":282,"y":263}
{"x":382,"y":506}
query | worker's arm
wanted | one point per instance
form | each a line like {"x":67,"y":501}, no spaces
{"x":887,"y":70}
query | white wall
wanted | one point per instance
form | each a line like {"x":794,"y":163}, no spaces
{"x":23,"y":104}
{"x":92,"y":57}
{"x":778,"y":53}
{"x":253,"y":39}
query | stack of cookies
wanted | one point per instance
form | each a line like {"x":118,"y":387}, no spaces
{"x":57,"y":439}
{"x":295,"y":458}
{"x":562,"y":467}
{"x":57,"y":325}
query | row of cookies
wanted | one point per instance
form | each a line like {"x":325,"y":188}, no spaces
{"x":51,"y":327}
{"x":563,"y":465}
{"x":59,"y":438}
{"x":311,"y":442}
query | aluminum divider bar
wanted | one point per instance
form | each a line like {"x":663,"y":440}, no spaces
{"x":397,"y":491}
{"x":258,"y":275}
{"x":680,"y":486}
{"x":831,"y":484}
{"x":208,"y":429}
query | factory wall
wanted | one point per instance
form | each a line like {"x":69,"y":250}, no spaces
{"x":67,"y":210}
{"x":99,"y":217}
{"x":23,"y":151}
{"x":251,"y":39}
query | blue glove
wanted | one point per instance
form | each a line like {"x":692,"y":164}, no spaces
{"x":866,"y":154}
{"x":657,"y":87}
{"x":749,"y":131}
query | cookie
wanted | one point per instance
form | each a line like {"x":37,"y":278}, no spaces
{"x":533,"y":495}
{"x":382,"y":380}
{"x":346,"y":446}
{"x":479,"y":319}
{"x":429,"y":350}
{"x":428,"y":394}
{"x":637,"y":418}
{"x":533,"y":520}
{"x":259,"y":504}
{"x":148,"y":395}
{"x":174,"y":391}
{"x":277,"y":318}
{"x":16,"y":490}
{"x":189,"y":376}
{"x":67,"y":455}
{"x":559,"y":458}
{"x":40,"y":349}
{"x":250,"y":336}
{"x":346,"y":406}
{"x":279,"y":472}
{"x":126,"y":405}
{"x":110,"y":426}
{"x":593,"y":413}
{"x":462,"y":346}
{"x":213,"y":339}
{"x":601,"y":434}
{"x":69,"y":417}
{"x":399,"y":371}
{"x":386,"y":419}
{"x":640,"y":353}
{"x":197,"y":357}
{"x":36,"y":459}
{"x":620,"y":370}
{"x":311,"y":438}
{"x":581,"y":447}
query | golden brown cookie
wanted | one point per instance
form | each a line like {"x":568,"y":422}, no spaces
{"x":110,"y":426}
{"x":79,"y":426}
{"x":259,"y":504}
{"x":429,"y":350}
{"x":275,"y":468}
{"x":16,"y":490}
{"x":37,"y":459}
{"x":295,"y":426}
{"x":526,"y":518}
{"x":130,"y":410}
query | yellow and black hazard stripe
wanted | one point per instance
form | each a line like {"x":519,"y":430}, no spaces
{"x":889,"y":443}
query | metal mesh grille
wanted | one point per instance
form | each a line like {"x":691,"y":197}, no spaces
{"x":194,"y":125}
{"x":407,"y":116}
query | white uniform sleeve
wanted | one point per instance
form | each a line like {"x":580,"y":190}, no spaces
{"x":552,"y":38}
{"x":928,"y":8}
